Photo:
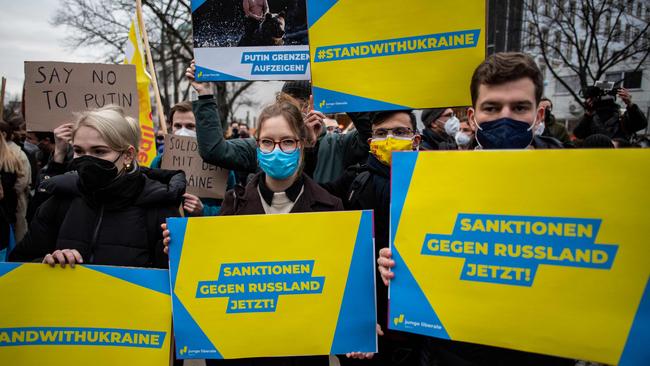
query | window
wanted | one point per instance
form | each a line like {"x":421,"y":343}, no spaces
{"x":630,"y":6}
{"x":608,"y":25}
{"x":547,"y":8}
{"x":628,"y":29}
{"x":544,"y":39}
{"x":572,"y":9}
{"x":558,"y":43}
{"x":569,"y":51}
{"x":616,"y":35}
{"x":573,"y":81}
{"x":532,"y":36}
{"x":639,"y":10}
{"x":631,"y":79}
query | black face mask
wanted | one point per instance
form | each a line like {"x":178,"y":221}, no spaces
{"x":95,"y":173}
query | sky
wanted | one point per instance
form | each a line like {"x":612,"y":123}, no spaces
{"x":26,"y":34}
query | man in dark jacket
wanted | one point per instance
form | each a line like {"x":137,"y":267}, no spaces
{"x":551,"y":127}
{"x":434,"y":134}
{"x":602,"y":116}
{"x":367,"y":187}
{"x":506,"y":91}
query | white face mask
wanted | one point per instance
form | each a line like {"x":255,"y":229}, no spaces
{"x":539,"y":130}
{"x":452,"y":126}
{"x":462,"y":139}
{"x":185,"y":132}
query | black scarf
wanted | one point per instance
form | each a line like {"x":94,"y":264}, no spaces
{"x":119,"y":194}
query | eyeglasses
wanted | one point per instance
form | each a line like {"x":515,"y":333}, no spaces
{"x":286,"y":145}
{"x":381,"y":133}
{"x":333,"y":129}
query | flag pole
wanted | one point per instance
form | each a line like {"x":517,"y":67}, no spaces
{"x":152,"y":70}
{"x":2,"y":98}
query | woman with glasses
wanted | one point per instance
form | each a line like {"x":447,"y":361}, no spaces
{"x":281,"y":187}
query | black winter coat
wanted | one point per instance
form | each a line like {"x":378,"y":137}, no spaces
{"x":119,"y":225}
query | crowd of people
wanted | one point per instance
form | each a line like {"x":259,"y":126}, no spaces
{"x":86,"y":199}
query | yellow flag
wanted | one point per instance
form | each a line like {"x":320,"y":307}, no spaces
{"x":134,"y":55}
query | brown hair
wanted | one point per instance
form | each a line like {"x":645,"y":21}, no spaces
{"x":182,"y":107}
{"x":505,"y":67}
{"x":290,"y":112}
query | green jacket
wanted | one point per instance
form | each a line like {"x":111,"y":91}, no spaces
{"x":336,"y":152}
{"x":333,"y":156}
{"x":236,"y":154}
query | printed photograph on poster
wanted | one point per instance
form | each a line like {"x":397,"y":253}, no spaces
{"x":250,"y":40}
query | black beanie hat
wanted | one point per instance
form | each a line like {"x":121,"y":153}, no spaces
{"x":430,"y":115}
{"x":300,"y":89}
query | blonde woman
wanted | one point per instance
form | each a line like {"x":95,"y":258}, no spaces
{"x":108,"y":210}
{"x":12,"y":173}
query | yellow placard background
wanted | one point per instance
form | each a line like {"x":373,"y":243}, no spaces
{"x":245,"y":239}
{"x":573,"y":312}
{"x":416,"y":80}
{"x":35,"y":295}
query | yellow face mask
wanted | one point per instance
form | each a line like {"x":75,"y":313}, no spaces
{"x":382,"y":148}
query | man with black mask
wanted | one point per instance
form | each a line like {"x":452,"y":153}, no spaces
{"x":602,"y":116}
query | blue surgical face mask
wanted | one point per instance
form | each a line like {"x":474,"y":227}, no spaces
{"x":504,"y":133}
{"x":277,"y":164}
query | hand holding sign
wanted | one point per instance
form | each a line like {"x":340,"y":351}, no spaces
{"x":62,"y":138}
{"x":201,"y":88}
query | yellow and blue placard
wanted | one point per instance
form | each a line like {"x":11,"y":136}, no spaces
{"x":539,"y":251}
{"x":369,"y":55}
{"x":273,"y":285}
{"x":87,"y":315}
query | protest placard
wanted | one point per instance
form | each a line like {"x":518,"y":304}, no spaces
{"x":370,"y":55}
{"x":54,"y":91}
{"x":250,"y":40}
{"x":87,"y":315}
{"x":503,"y":262}
{"x":239,"y":296}
{"x":203,"y":179}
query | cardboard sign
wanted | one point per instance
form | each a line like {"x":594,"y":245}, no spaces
{"x":94,"y":315}
{"x":506,"y":263}
{"x":203,"y":180}
{"x":54,"y":91}
{"x":250,"y":40}
{"x":273,"y":291}
{"x":370,"y":55}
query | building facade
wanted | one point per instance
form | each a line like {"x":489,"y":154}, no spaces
{"x":616,"y":23}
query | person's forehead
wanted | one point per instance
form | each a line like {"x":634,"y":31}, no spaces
{"x":88,"y":136}
{"x":396,"y":120}
{"x":276,"y":126}
{"x":183,"y":117}
{"x":509,"y":92}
